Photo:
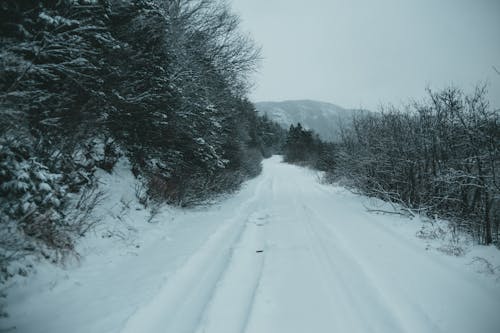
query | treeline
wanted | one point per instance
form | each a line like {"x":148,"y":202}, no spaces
{"x":304,"y":147}
{"x":83,"y":82}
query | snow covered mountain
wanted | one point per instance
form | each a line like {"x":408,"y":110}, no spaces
{"x":325,"y":119}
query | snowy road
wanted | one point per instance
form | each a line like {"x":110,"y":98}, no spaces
{"x":284,"y":255}
{"x":301,"y":257}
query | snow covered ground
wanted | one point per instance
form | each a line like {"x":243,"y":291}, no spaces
{"x":285,"y":254}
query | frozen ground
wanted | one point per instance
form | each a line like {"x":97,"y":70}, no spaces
{"x":285,"y":254}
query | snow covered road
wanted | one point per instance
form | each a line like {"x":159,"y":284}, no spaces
{"x":287,"y":254}
{"x":298,"y":257}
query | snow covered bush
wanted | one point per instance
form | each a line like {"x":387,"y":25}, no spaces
{"x":39,"y":215}
{"x":31,"y":199}
{"x":440,"y":157}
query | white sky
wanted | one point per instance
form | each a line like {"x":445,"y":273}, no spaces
{"x":361,"y":53}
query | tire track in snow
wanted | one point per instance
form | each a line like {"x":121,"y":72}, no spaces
{"x":251,"y":303}
{"x":229,"y":309}
{"x":334,"y":286}
{"x":338,"y":281}
{"x":342,"y":271}
{"x":371,"y":296}
{"x":181,"y":302}
{"x":290,"y":307}
{"x":417,"y":312}
{"x":413,"y":316}
{"x":231,"y":305}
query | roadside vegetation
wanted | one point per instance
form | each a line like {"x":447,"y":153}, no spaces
{"x":439,"y":157}
{"x":84,"y":83}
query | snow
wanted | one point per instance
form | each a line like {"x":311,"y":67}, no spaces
{"x":285,"y":254}
{"x":56,"y":20}
{"x":44,"y":187}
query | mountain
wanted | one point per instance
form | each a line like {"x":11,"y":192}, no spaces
{"x":324,"y":118}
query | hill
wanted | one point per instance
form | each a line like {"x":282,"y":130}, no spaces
{"x":326,"y":119}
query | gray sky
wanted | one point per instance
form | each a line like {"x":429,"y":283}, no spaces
{"x":361,"y":53}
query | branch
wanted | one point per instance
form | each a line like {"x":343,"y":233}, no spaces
{"x":385,"y":212}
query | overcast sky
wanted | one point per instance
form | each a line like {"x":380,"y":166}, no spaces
{"x":361,"y":53}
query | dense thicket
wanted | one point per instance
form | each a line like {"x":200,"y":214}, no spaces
{"x":440,"y":157}
{"x":83,"y":81}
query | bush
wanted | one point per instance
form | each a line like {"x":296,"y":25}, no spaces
{"x":440,"y":156}
{"x":39,"y":215}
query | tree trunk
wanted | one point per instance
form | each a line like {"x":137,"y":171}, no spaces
{"x":487,"y":222}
